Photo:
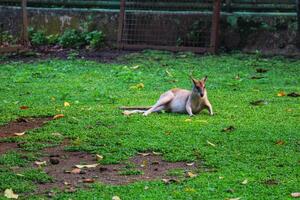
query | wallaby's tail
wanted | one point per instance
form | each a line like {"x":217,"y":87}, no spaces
{"x":135,"y":108}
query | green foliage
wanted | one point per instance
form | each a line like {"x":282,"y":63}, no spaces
{"x":94,"y":39}
{"x":53,"y":39}
{"x":38,"y":38}
{"x":7,"y":37}
{"x":72,"y":38}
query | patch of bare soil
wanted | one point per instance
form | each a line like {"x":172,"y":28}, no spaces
{"x":22,"y":125}
{"x":7,"y":146}
{"x":61,"y":166}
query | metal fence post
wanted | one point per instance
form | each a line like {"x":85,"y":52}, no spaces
{"x":25,"y":39}
{"x":298,"y":22}
{"x":214,"y":38}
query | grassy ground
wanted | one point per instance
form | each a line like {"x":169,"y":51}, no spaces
{"x":264,"y":146}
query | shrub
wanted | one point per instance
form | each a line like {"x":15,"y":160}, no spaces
{"x":38,"y":38}
{"x":53,"y":39}
{"x":94,"y":39}
{"x":71,"y":38}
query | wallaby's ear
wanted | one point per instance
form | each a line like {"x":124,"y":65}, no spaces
{"x":194,"y":80}
{"x":205,"y":78}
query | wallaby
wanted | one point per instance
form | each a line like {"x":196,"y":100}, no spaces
{"x":179,"y":101}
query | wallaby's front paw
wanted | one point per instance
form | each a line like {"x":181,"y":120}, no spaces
{"x":145,"y":114}
{"x":191,"y":115}
{"x":211,"y":114}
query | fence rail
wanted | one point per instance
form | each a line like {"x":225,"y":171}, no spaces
{"x":227,"y":5}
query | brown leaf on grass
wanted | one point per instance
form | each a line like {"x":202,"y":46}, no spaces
{"x":24,"y":107}
{"x":281,"y":94}
{"x":58,"y":116}
{"x":259,"y":103}
{"x":156,"y":153}
{"x":169,"y":181}
{"x":257,"y":77}
{"x":191,"y":175}
{"x":295,"y":194}
{"x":86,"y":166}
{"x":9,"y":193}
{"x":88,"y":180}
{"x":19,"y":134}
{"x":76,"y":171}
{"x":116,"y":198}
{"x":237,"y":198}
{"x":293,"y":94}
{"x":280,"y":142}
{"x":228,"y":129}
{"x":261,"y":70}
{"x":245,"y":182}
{"x":144,"y":154}
{"x":40,"y":163}
{"x":66,"y":104}
{"x":138,"y":86}
{"x":190,"y":164}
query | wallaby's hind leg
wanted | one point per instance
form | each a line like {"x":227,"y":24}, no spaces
{"x":160,"y":104}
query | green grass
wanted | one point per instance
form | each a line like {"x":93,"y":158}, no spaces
{"x":94,"y":123}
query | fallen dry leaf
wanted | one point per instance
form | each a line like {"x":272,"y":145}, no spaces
{"x":99,"y":157}
{"x":75,"y":171}
{"x":228,"y":129}
{"x":58,"y":116}
{"x":238,"y":198}
{"x":116,"y":198}
{"x":295,"y":194}
{"x":191,"y":175}
{"x":56,"y":134}
{"x":261,"y":70}
{"x":280,"y":142}
{"x":40,"y":163}
{"x":257,"y":77}
{"x":86,"y":166}
{"x":19,"y":134}
{"x":259,"y":103}
{"x":66,"y":104}
{"x":9,"y":193}
{"x":169,"y":181}
{"x":221,"y":177}
{"x":24,"y":107}
{"x":281,"y":94}
{"x":190,"y":164}
{"x":138,"y":86}
{"x":156,"y":153}
{"x":88,"y":180}
{"x":211,"y":144}
{"x":144,"y":154}
{"x":135,"y":67}
{"x":245,"y":182}
{"x":188,"y":120}
{"x":293,"y":94}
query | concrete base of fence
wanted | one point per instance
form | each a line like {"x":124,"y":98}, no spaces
{"x":270,"y":32}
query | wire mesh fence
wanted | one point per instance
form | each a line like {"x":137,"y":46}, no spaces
{"x":13,"y":30}
{"x":165,"y":24}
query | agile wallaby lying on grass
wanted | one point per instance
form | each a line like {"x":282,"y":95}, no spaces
{"x":179,"y":101}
